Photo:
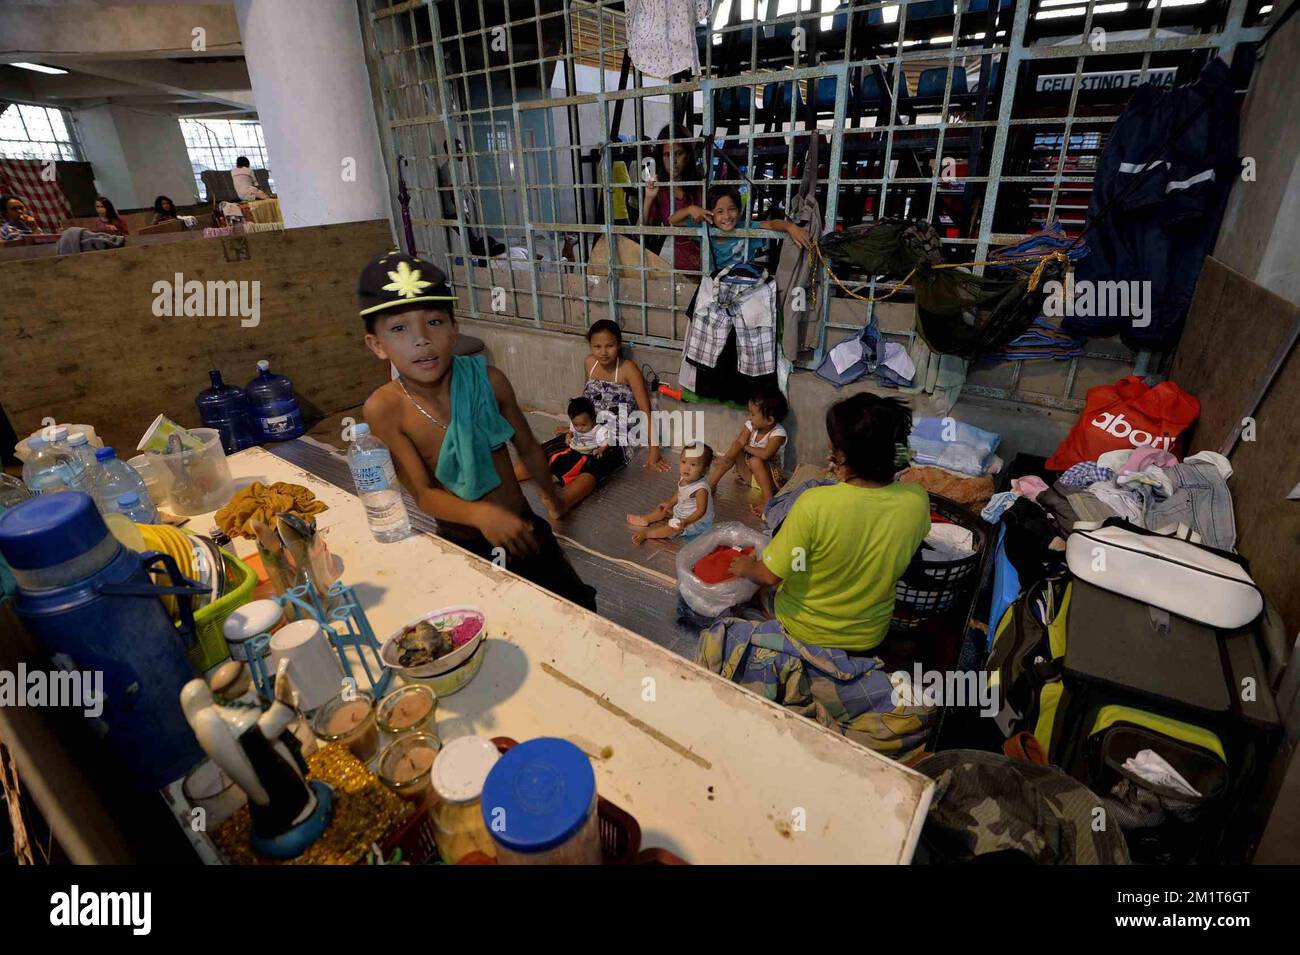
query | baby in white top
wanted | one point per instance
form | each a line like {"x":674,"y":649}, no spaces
{"x":689,"y":512}
{"x":759,"y":449}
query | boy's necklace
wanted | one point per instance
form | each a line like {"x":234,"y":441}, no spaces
{"x":419,"y":407}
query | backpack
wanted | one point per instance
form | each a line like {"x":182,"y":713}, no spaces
{"x":1026,"y":660}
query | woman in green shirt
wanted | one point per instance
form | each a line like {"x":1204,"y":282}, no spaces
{"x":836,"y":559}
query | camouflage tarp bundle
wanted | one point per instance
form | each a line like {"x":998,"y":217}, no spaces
{"x":987,"y":803}
{"x":890,"y":248}
{"x":964,"y":314}
{"x":958,"y":312}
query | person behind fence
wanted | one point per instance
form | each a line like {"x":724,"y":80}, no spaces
{"x":759,"y":449}
{"x":588,"y":445}
{"x":722,"y":210}
{"x":675,"y":187}
{"x":689,"y":512}
{"x":837,"y":557}
{"x":446,"y":419}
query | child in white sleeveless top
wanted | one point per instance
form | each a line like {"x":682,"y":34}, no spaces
{"x":758,"y":451}
{"x":689,"y":512}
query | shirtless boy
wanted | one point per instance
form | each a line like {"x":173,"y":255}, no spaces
{"x":451,"y":455}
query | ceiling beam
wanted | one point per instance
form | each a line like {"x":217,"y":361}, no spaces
{"x":85,"y":32}
{"x":175,"y":78}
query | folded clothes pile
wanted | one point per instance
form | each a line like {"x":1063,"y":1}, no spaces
{"x":952,"y":444}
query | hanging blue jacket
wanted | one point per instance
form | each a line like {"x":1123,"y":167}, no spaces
{"x":1161,"y":230}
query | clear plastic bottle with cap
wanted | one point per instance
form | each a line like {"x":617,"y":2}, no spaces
{"x":79,"y":444}
{"x":116,"y":478}
{"x":376,"y":482}
{"x":459,"y":771}
{"x":49,"y":469}
{"x":130,"y":505}
{"x":275,"y":406}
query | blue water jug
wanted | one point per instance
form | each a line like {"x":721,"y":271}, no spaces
{"x":90,"y":605}
{"x":275,"y":406}
{"x":227,"y":408}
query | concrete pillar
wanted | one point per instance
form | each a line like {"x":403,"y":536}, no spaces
{"x":307,"y":66}
{"x":136,"y":156}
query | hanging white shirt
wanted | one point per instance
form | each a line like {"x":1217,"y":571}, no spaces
{"x":661,"y":35}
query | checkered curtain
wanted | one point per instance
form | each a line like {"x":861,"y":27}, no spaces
{"x":45,"y":200}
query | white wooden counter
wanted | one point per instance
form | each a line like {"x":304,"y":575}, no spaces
{"x":710,"y":770}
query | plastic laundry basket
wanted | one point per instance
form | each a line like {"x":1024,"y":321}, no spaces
{"x":930,"y":588}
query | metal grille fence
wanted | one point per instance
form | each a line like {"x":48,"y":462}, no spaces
{"x":526,"y":137}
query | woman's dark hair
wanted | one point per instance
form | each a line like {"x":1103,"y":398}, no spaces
{"x":731,"y":192}
{"x":606,"y":325}
{"x":868,"y":431}
{"x":158,"y":206}
{"x":241,"y":162}
{"x":581,"y":405}
{"x":684,"y":136}
{"x":4,"y":204}
{"x":772,"y":404}
{"x":110,"y":210}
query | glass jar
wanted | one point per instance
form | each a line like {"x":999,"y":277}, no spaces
{"x":406,"y":764}
{"x":458,"y":775}
{"x":539,"y":804}
{"x":408,"y":710}
{"x":349,"y":719}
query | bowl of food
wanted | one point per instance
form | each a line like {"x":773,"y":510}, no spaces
{"x":435,"y":643}
{"x":455,"y":679}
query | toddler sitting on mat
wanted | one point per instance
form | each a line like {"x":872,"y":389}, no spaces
{"x":587,"y":444}
{"x":689,"y":513}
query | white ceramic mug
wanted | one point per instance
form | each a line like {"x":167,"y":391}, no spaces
{"x":313,"y":665}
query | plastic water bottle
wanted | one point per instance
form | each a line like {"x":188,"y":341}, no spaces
{"x":79,"y":445}
{"x":227,"y":408}
{"x":275,"y":407}
{"x":117,"y":478}
{"x":130,"y":505}
{"x":58,"y":439}
{"x":376,"y":481}
{"x":49,"y":469}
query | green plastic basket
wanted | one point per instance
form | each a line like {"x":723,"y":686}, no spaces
{"x":211,"y":647}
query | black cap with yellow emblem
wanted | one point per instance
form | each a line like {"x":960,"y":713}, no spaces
{"x":395,"y":279}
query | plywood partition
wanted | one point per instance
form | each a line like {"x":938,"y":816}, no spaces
{"x":1234,"y":329}
{"x":82,"y":341}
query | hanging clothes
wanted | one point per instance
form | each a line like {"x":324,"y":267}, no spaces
{"x":735,"y":302}
{"x":796,"y":269}
{"x":1154,"y":212}
{"x":661,"y":35}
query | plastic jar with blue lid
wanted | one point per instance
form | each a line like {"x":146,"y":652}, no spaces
{"x":539,"y":804}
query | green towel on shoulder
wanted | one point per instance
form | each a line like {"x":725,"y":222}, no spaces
{"x":465,"y":465}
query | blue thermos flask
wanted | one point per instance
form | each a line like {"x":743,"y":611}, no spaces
{"x":91,"y":606}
